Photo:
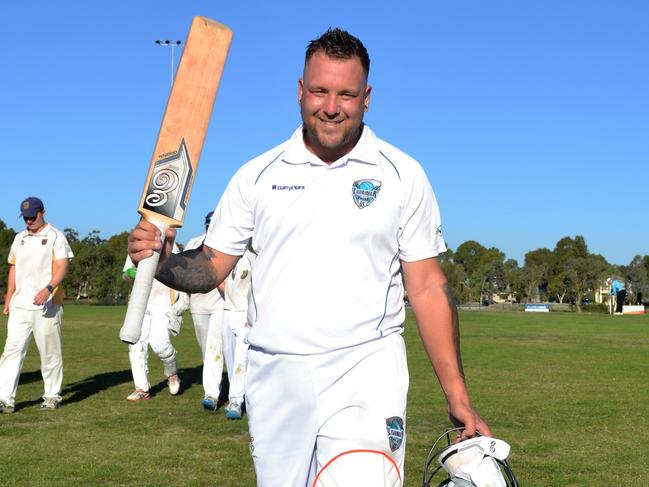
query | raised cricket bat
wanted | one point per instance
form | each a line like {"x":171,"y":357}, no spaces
{"x":175,"y":157}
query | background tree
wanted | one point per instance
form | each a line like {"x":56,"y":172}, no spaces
{"x":96,"y":269}
{"x":454,"y":274}
{"x":584,"y":274}
{"x":484,"y":269}
{"x":561,"y":285}
{"x":636,"y":278}
{"x":539,"y":263}
{"x":512,"y":272}
{"x":6,"y":239}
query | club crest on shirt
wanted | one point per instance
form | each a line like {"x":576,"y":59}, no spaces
{"x":44,"y":241}
{"x":394,"y":426}
{"x":244,"y":274}
{"x":365,"y":191}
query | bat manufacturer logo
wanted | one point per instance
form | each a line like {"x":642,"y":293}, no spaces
{"x":365,"y":191}
{"x":169,"y":184}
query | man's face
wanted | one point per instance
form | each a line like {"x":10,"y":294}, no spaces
{"x":34,"y":223}
{"x":333,"y":96}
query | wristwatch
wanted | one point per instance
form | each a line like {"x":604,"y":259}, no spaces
{"x":49,"y":288}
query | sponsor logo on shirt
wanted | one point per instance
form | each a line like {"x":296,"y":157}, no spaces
{"x":365,"y":191}
{"x":287,"y":187}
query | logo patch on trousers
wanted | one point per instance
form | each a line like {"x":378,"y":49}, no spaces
{"x":394,"y":425}
{"x":365,"y":191}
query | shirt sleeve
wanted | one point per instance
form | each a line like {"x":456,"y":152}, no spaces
{"x":62,"y":248}
{"x":11,"y":258}
{"x":233,"y":221}
{"x":420,"y":228}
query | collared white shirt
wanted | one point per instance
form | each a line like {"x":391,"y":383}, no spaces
{"x":329,"y":240}
{"x":207,"y":303}
{"x":34,"y":257}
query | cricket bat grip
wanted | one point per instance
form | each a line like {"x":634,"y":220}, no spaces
{"x":146,"y":270}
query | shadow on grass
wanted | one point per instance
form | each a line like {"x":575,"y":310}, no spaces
{"x":190,"y":377}
{"x":83,"y":389}
{"x":29,"y":377}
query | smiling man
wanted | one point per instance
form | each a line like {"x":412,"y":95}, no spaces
{"x":38,"y":262}
{"x":336,"y":216}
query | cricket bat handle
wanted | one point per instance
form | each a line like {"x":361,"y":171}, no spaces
{"x":146,"y":269}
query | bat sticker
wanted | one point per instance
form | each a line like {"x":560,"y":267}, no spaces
{"x":169,"y":184}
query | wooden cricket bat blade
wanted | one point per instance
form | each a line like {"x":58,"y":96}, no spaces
{"x":178,"y":149}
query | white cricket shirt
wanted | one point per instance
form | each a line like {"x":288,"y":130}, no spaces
{"x":329,"y":240}
{"x":207,"y":303}
{"x":34,"y":257}
{"x":237,"y":285}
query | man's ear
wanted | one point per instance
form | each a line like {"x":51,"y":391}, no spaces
{"x":300,"y":89}
{"x":366,"y":100}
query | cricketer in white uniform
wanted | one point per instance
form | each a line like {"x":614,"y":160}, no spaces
{"x":157,"y":328}
{"x":336,"y":216}
{"x":235,"y":332}
{"x":207,"y":315}
{"x":38,"y":261}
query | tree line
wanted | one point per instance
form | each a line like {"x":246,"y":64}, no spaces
{"x":569,"y":273}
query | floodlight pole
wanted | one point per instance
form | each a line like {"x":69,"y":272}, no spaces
{"x":173,"y":46}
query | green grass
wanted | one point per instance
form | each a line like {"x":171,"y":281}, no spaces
{"x":567,"y":391}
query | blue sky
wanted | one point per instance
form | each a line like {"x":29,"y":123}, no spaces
{"x":531,"y":119}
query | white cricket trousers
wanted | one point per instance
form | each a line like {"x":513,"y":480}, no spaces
{"x":235,"y":350}
{"x":155,"y":333}
{"x":210,"y":327}
{"x":45,"y":325}
{"x":305,"y":410}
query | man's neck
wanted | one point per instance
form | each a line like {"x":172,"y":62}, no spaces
{"x":35,"y":232}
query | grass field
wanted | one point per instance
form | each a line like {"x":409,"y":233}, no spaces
{"x":567,"y":391}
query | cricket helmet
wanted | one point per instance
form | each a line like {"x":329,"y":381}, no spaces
{"x":477,"y":462}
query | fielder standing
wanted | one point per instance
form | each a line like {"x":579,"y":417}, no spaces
{"x":207,"y":315}
{"x":235,"y":331}
{"x":162,"y":318}
{"x":336,"y":216}
{"x":38,"y":262}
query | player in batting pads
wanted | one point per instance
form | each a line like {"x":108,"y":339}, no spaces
{"x":162,"y":319}
{"x":38,"y":262}
{"x":327,"y":369}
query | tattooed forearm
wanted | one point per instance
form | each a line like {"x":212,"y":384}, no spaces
{"x":188,"y":271}
{"x":456,"y":324}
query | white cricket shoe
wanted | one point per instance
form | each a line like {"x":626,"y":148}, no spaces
{"x":6,"y":408}
{"x":138,"y":395}
{"x":50,"y":403}
{"x":174,"y":384}
{"x":233,"y":410}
